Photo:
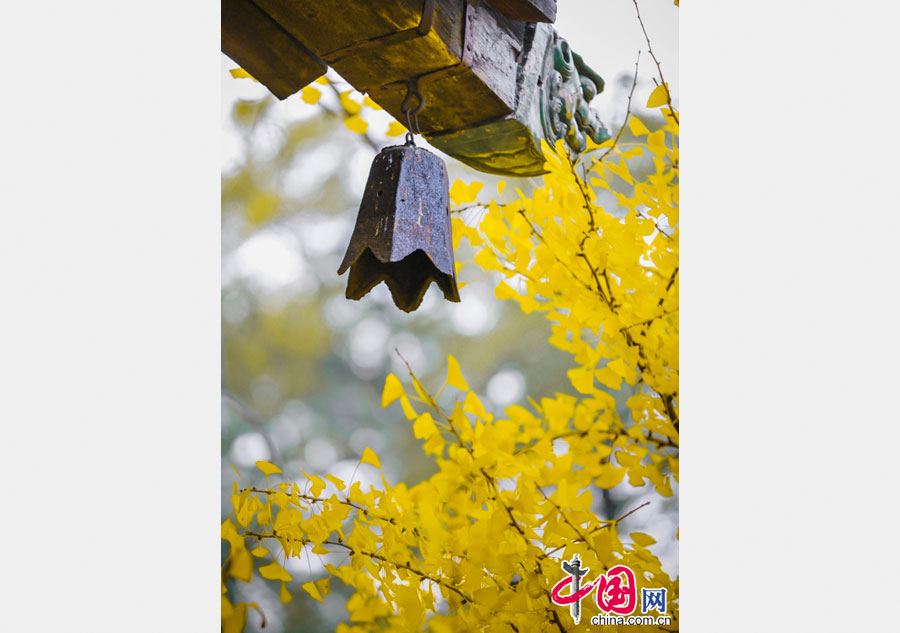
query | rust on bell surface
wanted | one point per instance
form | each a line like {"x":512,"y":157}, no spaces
{"x":402,"y":233}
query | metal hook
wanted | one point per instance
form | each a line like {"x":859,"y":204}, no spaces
{"x":412,"y":114}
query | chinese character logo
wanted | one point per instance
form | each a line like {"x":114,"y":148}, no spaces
{"x":616,"y":589}
{"x":612,"y":595}
{"x":653,"y":599}
{"x":575,"y":571}
{"x":616,"y":592}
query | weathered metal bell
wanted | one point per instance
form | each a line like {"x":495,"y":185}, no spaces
{"x":402,"y":234}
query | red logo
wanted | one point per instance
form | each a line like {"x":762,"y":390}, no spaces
{"x":616,"y":589}
{"x":612,"y":596}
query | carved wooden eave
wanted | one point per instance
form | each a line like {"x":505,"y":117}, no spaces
{"x":495,"y":75}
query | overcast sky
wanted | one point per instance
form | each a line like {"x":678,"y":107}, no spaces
{"x":607,"y":34}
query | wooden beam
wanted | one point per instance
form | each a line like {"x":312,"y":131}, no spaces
{"x":265,"y":50}
{"x":480,"y":87}
{"x":496,"y":78}
{"x":528,"y":10}
{"x":336,"y":29}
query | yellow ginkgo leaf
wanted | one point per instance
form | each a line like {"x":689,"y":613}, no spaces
{"x":637,"y":127}
{"x":312,"y":590}
{"x":424,"y":427}
{"x":473,"y":405}
{"x":501,"y":185}
{"x":454,"y":375}
{"x":582,"y":378}
{"x":236,"y":619}
{"x":392,"y":390}
{"x":259,"y":551}
{"x":274,"y":571}
{"x":591,"y":145}
{"x":395,"y":129}
{"x":659,"y":96}
{"x":642,"y":539}
{"x":620,"y":169}
{"x":369,"y":457}
{"x":461,"y":193}
{"x":609,"y":378}
{"x":318,"y":485}
{"x":324,"y":585}
{"x":503,"y":291}
{"x":240,"y":73}
{"x":284,"y":595}
{"x":350,"y":106}
{"x":408,"y":409}
{"x":338,"y":483}
{"x":310,"y":95}
{"x":356,"y":124}
{"x":619,"y":368}
{"x":241,"y":567}
{"x":268,"y":468}
{"x":610,"y":477}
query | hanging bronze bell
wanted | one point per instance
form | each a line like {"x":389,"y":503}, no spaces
{"x":402,"y":234}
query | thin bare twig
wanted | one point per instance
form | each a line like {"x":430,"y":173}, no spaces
{"x":466,"y":208}
{"x":255,"y":420}
{"x":641,"y":214}
{"x":658,"y":67}
{"x":648,"y":321}
{"x":627,"y":110}
{"x":274,"y":535}
{"x":603,"y":527}
{"x":347,"y":115}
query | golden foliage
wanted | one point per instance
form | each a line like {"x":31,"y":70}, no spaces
{"x":478,"y":545}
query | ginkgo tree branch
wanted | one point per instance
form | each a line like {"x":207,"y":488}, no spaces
{"x":668,"y":399}
{"x":490,"y":481}
{"x":492,"y":484}
{"x":603,"y":527}
{"x":640,"y":214}
{"x":627,"y":110}
{"x":438,"y":581}
{"x":540,"y":237}
{"x":650,"y":320}
{"x":565,"y":518}
{"x":513,"y":522}
{"x":469,"y":449}
{"x":345,"y":114}
{"x":343,"y":501}
{"x":662,"y":80}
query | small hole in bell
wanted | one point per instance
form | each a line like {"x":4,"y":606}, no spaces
{"x":403,"y":240}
